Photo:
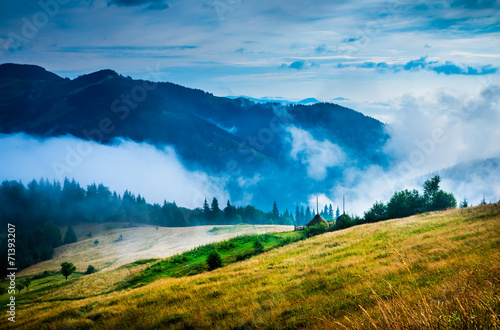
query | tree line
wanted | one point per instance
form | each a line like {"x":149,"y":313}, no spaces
{"x":42,"y":207}
{"x":405,"y":203}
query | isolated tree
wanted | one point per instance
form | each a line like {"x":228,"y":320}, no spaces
{"x":483,"y":201}
{"x":337,"y":213}
{"x":19,"y":286}
{"x":67,"y":268}
{"x":330,"y":212}
{"x":464,"y":203}
{"x":90,"y":269}
{"x":26,"y":282}
{"x":214,"y":260}
{"x":96,"y":242}
{"x":70,"y":236}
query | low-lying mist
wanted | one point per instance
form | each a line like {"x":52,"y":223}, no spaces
{"x":125,"y":165}
{"x":452,"y":135}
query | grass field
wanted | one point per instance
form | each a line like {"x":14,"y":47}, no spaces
{"x":437,"y":271}
{"x":144,"y":242}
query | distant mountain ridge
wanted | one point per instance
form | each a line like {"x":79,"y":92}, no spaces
{"x":208,"y":132}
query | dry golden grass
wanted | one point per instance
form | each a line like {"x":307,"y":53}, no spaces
{"x":138,"y":243}
{"x":437,"y":271}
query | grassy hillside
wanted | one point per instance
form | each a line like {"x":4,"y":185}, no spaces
{"x":438,"y":270}
{"x":143,"y":242}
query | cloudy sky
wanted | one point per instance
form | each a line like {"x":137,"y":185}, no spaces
{"x":370,"y":52}
{"x":430,"y":69}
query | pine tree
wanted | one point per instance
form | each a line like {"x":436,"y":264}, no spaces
{"x":216,"y":211}
{"x":464,"y":203}
{"x":70,"y":236}
{"x":206,"y":210}
{"x":229,"y":212}
{"x":276,"y":213}
{"x":308,"y":215}
{"x":325,"y":212}
{"x":337,"y":213}
{"x":330,"y":212}
{"x":286,"y":219}
{"x":52,"y":234}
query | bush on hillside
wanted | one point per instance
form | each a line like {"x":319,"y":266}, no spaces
{"x":214,"y":260}
{"x":90,"y":270}
{"x":317,"y":229}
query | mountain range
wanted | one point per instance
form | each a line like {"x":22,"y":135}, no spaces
{"x":293,"y":150}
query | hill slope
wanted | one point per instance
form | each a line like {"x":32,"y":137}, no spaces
{"x":426,"y":271}
{"x":137,"y":243}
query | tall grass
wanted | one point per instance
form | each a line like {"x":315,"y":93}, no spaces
{"x":435,"y":271}
{"x":470,"y":300}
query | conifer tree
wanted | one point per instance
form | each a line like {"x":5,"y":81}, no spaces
{"x":70,"y":236}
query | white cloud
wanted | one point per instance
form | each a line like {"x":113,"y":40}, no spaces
{"x":137,"y":167}
{"x":321,"y":201}
{"x":316,"y":155}
{"x":445,"y":129}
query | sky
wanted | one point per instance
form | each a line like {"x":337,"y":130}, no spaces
{"x":363,"y":54}
{"x":429,"y":69}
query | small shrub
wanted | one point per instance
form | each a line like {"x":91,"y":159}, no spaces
{"x":26,"y":282}
{"x":214,"y":260}
{"x":245,"y":256}
{"x":19,"y":286}
{"x":314,"y":230}
{"x":90,"y":270}
{"x":96,"y":242}
{"x":343,"y":222}
{"x":258,"y":247}
{"x":89,"y":235}
{"x":285,"y":241}
{"x":226,"y":245}
{"x":178,"y":259}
